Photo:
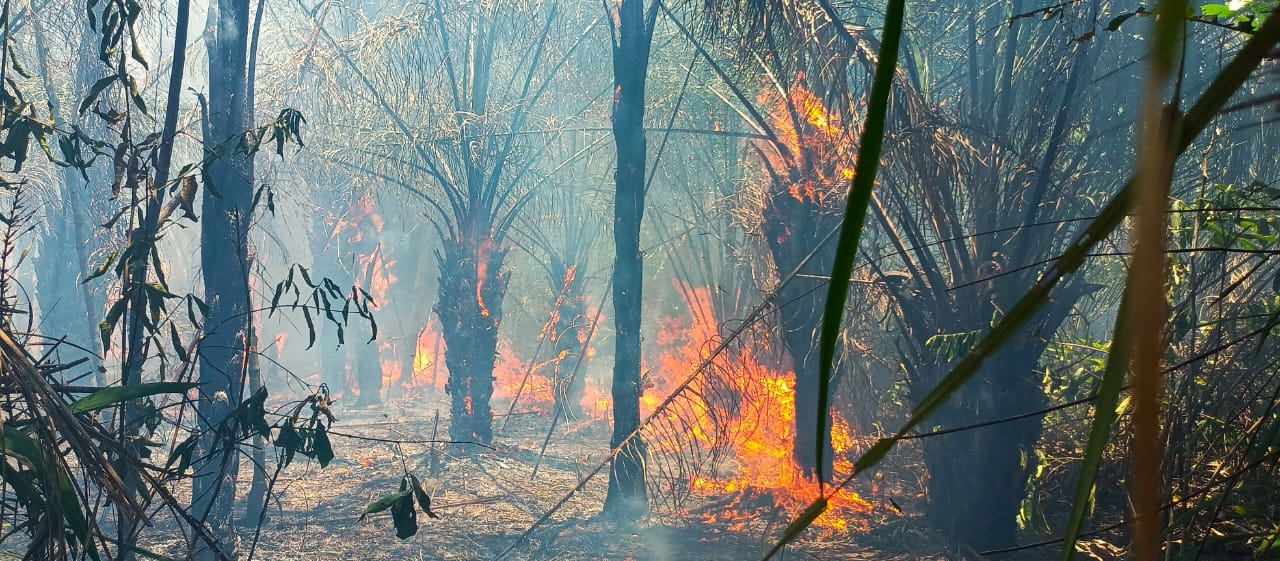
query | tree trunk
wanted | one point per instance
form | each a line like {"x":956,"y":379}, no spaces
{"x":227,"y":215}
{"x":472,"y":285}
{"x":977,"y":478}
{"x":627,"y":499}
{"x":793,"y":229}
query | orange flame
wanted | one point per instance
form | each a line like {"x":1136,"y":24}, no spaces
{"x":754,"y":418}
{"x":482,"y":272}
{"x":813,"y":149}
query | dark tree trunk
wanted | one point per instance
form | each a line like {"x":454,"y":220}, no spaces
{"x":793,"y":228}
{"x":472,"y":285}
{"x":627,"y":499}
{"x":977,"y":478}
{"x":225,"y":265}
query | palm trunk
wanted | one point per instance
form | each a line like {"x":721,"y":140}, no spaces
{"x":793,"y":229}
{"x":472,"y":285}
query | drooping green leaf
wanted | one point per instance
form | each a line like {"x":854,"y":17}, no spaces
{"x":386,"y":502}
{"x":108,"y":397}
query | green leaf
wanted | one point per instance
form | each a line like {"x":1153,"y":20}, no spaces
{"x":108,"y":397}
{"x":385,"y":502}
{"x":96,"y":90}
{"x":855,"y":217}
{"x":1103,"y":417}
{"x":1217,"y":11}
{"x":424,"y":500}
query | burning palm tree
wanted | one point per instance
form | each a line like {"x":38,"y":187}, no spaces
{"x":458,"y":88}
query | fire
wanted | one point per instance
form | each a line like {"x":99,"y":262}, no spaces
{"x":814,"y":149}
{"x":746,"y":409}
{"x":482,"y":272}
{"x":514,"y":376}
{"x":428,"y":359}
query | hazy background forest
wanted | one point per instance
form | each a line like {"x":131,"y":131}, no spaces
{"x":527,"y":279}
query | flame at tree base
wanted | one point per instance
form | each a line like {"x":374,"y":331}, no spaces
{"x":746,"y":411}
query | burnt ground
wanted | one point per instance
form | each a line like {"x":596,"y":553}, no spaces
{"x":486,"y":500}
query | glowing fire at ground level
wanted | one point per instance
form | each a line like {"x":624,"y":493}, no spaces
{"x":744,"y":409}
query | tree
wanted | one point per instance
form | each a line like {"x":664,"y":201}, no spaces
{"x":980,"y":175}
{"x":466,"y":151}
{"x":224,"y":257}
{"x":560,"y":231}
{"x":632,"y":37}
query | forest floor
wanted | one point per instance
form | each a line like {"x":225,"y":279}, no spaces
{"x":486,"y":500}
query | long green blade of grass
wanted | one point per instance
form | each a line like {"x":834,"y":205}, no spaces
{"x":1103,"y":417}
{"x":855,"y":215}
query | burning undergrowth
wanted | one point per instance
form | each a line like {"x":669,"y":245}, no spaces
{"x":731,"y":434}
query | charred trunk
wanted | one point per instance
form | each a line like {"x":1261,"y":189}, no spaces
{"x":794,"y":227}
{"x":224,"y":259}
{"x":627,"y":498}
{"x":472,"y":285}
{"x":977,"y":478}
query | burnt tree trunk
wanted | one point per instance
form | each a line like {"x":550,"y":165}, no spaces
{"x":978,"y":478}
{"x":227,"y":214}
{"x":793,"y":228}
{"x":627,"y":498}
{"x":978,"y":505}
{"x":472,"y":285}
